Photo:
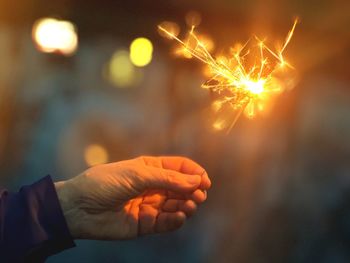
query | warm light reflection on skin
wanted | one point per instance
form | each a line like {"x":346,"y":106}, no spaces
{"x":245,"y":80}
{"x":95,"y":154}
{"x":55,"y":36}
{"x":141,"y":50}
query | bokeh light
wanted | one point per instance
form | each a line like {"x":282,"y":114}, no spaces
{"x":121,"y":72}
{"x":55,"y":36}
{"x":141,"y":50}
{"x":95,"y":154}
{"x":219,"y":125}
{"x":207,"y":41}
{"x":171,"y":27}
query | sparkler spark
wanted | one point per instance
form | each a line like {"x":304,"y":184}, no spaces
{"x":246,"y":80}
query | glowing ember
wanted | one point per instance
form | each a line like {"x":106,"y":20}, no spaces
{"x":245,"y":81}
{"x":255,"y":87}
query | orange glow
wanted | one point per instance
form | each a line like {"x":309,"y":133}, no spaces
{"x":219,"y":125}
{"x":193,"y":18}
{"x":255,"y":87}
{"x":95,"y":154}
{"x":246,"y":80}
{"x":170,"y":27}
{"x":190,"y":43}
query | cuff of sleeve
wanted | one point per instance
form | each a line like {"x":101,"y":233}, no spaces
{"x":51,"y":218}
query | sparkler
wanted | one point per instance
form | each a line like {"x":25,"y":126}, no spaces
{"x":245,"y":81}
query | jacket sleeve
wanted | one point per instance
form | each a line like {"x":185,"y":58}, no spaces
{"x":32,"y":225}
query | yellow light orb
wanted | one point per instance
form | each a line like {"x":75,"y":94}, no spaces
{"x":55,"y":36}
{"x":255,"y":87}
{"x":141,"y":50}
{"x":95,"y":154}
{"x":121,"y":71}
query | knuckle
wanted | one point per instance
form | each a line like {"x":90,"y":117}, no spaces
{"x":144,"y":158}
{"x":187,"y":159}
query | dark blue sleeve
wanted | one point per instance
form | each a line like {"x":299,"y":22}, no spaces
{"x":32,"y":225}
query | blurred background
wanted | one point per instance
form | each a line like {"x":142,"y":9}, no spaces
{"x":88,"y":82}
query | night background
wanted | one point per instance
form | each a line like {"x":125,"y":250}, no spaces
{"x":281,"y":182}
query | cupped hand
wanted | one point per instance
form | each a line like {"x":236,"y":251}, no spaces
{"x":131,"y":198}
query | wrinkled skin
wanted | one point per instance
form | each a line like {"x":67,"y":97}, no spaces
{"x":131,"y":198}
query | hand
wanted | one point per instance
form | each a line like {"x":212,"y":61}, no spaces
{"x":131,"y":198}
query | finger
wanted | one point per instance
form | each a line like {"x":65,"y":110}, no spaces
{"x":171,"y":180}
{"x":187,"y":166}
{"x":132,"y":208}
{"x":198,"y":196}
{"x":172,"y":205}
{"x":149,"y":208}
{"x":189,"y":207}
{"x":152,"y":161}
{"x":186,"y":206}
{"x":179,"y":196}
{"x":154,"y":198}
{"x":206,"y":183}
{"x":181,"y":164}
{"x":147,"y":219}
{"x":169,"y":221}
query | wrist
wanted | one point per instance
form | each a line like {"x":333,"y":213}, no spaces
{"x":68,"y":207}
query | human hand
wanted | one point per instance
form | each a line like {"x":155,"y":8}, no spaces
{"x":131,"y":198}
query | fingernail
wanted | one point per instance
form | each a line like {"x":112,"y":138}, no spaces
{"x":205,"y":193}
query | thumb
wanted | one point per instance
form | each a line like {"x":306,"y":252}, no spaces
{"x":159,"y":178}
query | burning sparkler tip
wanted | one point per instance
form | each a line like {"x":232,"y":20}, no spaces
{"x":239,"y":85}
